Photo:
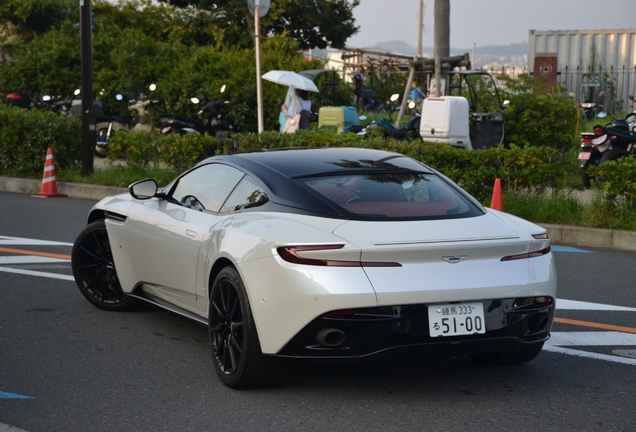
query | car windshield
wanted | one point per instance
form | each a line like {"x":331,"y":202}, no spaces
{"x":394,"y":196}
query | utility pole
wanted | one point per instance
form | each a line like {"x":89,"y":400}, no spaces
{"x":88,"y":113}
{"x":419,"y":30}
{"x":442,"y":38}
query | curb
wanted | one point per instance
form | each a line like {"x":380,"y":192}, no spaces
{"x":73,"y":190}
{"x":559,"y":234}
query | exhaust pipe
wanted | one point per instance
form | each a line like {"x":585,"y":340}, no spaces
{"x":330,"y":337}
{"x":538,"y":322}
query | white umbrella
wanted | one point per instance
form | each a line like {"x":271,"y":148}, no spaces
{"x":293,"y":79}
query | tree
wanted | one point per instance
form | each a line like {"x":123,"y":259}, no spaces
{"x":23,"y":20}
{"x":313,"y":23}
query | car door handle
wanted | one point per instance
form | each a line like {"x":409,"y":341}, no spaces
{"x":191,"y":233}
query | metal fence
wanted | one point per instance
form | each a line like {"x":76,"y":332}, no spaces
{"x":615,"y":87}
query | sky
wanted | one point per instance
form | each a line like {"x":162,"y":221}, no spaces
{"x":486,"y":22}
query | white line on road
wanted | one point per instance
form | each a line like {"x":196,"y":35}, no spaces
{"x":587,"y":354}
{"x":598,"y":338}
{"x":30,"y":259}
{"x":5,"y":241}
{"x":37,"y":273}
{"x":562,"y":304}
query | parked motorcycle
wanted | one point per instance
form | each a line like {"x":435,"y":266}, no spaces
{"x":141,"y":116}
{"x":18,"y":99}
{"x":216,"y":122}
{"x":591,"y":109}
{"x":411,"y":130}
{"x":606,"y":143}
{"x":371,"y":102}
{"x":106,"y":126}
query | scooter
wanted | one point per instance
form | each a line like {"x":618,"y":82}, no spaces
{"x":591,"y":109}
{"x":105,"y":127}
{"x":20,"y":100}
{"x":216,"y":123}
{"x":411,"y":130}
{"x":142,"y":118}
{"x":607,"y":143}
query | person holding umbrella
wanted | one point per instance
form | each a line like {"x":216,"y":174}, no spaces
{"x":300,"y":105}
{"x":284,"y":108}
{"x":300,"y":100}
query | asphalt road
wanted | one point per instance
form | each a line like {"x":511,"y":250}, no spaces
{"x":67,"y":366}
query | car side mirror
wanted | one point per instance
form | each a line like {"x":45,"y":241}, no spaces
{"x":143,"y":189}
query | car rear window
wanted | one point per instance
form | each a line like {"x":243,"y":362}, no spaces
{"x":391,"y":196}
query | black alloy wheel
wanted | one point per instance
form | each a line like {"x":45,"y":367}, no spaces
{"x":94,"y":270}
{"x":238,"y":359}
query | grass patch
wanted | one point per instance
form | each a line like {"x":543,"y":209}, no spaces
{"x":556,"y":208}
{"x":562,"y":208}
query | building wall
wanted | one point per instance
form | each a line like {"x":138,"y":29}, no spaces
{"x":616,"y":55}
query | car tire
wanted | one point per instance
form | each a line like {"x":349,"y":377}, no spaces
{"x":236,"y":351}
{"x":508,"y":357}
{"x":94,"y":270}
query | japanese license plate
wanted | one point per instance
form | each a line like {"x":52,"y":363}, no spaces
{"x":456,"y":319}
{"x":584,"y":155}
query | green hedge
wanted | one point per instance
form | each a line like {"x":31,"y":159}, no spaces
{"x":25,"y":136}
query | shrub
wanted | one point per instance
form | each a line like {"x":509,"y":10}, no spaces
{"x":617,"y":181}
{"x":181,"y":152}
{"x":25,"y":136}
{"x":138,"y":149}
{"x":535,"y":118}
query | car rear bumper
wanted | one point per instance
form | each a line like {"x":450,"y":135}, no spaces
{"x":510,"y":323}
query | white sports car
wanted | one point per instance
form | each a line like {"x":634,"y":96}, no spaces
{"x":322,"y":253}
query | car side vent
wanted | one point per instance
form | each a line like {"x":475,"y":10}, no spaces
{"x":110,"y":215}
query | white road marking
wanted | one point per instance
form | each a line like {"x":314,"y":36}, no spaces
{"x":559,"y":340}
{"x":562,"y":304}
{"x":30,"y":259}
{"x":587,"y":354}
{"x":37,"y":273}
{"x":599,"y":338}
{"x":4,"y":241}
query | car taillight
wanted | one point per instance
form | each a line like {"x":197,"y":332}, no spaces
{"x":14,"y":96}
{"x":527,"y":255}
{"x":290,"y":254}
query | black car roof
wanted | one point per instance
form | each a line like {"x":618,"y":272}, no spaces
{"x":306,"y":162}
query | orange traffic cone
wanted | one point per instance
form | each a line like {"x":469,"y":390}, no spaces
{"x":497,"y":197}
{"x":49,"y":187}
